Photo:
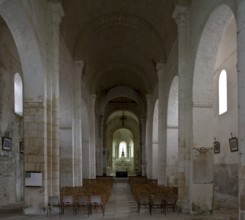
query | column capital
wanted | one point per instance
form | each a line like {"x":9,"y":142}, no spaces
{"x":148,"y":98}
{"x":93,"y":98}
{"x":160,"y":70}
{"x":79,"y":65}
{"x":180,"y":15}
{"x":56,"y":10}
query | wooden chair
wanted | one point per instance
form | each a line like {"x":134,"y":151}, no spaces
{"x":53,"y":204}
{"x":159,"y":201}
{"x":172,"y":203}
{"x":96,"y":202}
{"x":143,"y":200}
{"x":67,"y":202}
{"x":84,"y":204}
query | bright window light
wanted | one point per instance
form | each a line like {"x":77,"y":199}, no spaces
{"x":123,"y":149}
{"x":222,"y":92}
{"x":18,"y":94}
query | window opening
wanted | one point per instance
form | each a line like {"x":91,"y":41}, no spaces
{"x":222,"y":92}
{"x":18,"y":95}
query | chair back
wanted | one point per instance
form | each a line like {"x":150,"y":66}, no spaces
{"x":67,"y":200}
{"x":95,"y":199}
{"x":53,"y":200}
{"x":83,"y":200}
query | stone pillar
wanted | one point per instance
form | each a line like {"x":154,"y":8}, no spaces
{"x":92,"y":136}
{"x":35,"y":160}
{"x":241,"y":102}
{"x":56,"y":12}
{"x":162,"y":124}
{"x":185,"y":107}
{"x":77,"y":123}
{"x":102,"y":169}
{"x":148,"y":136}
{"x":41,"y":124}
{"x":143,"y":146}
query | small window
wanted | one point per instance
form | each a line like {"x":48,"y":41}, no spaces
{"x":122,"y":149}
{"x":18,"y":94}
{"x":222,"y":92}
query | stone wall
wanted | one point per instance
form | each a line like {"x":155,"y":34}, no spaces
{"x":214,"y":38}
{"x":11,"y":162}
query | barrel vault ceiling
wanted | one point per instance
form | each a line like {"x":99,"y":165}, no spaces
{"x":119,"y":41}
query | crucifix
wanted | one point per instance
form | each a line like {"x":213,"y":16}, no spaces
{"x":123,"y":118}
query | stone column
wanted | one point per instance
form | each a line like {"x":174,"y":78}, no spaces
{"x":92,"y":136}
{"x":143,"y":145}
{"x":77,"y":123}
{"x":35,"y":131}
{"x":102,"y":169}
{"x":185,"y":107}
{"x":162,"y":124}
{"x":241,"y":102}
{"x":56,"y":12}
{"x":148,"y":136}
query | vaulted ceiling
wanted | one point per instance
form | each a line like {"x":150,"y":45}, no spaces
{"x":119,"y":41}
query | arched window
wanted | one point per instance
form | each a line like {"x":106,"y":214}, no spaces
{"x":122,"y":149}
{"x":18,"y":94}
{"x":222,"y":92}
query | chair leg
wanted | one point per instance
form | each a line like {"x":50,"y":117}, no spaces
{"x":48,"y":210}
{"x":138,"y":209}
{"x":150,"y":208}
{"x":103,"y":210}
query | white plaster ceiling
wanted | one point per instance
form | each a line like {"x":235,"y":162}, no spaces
{"x":119,"y":41}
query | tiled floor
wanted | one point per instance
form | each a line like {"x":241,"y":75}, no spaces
{"x":122,"y":206}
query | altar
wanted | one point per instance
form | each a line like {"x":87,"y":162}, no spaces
{"x":121,"y":173}
{"x":123,"y":167}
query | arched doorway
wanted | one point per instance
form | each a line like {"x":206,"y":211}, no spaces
{"x":123,"y":150}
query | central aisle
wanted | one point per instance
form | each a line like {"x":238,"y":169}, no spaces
{"x":121,"y":203}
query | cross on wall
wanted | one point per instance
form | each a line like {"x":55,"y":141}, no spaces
{"x":123,"y":118}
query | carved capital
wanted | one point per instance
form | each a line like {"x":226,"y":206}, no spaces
{"x":56,"y":11}
{"x":78,"y":65}
{"x":160,"y":70}
{"x":180,"y":15}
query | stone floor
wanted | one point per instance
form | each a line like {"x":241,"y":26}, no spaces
{"x":121,"y":206}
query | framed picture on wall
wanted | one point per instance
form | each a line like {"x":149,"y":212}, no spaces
{"x":6,"y":143}
{"x":216,"y":147}
{"x":233,"y":144}
{"x":21,"y":147}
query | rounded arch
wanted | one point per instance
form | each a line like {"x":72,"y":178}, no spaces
{"x":121,"y":91}
{"x":28,"y":48}
{"x":207,"y":53}
{"x":216,"y":51}
{"x":208,"y":60}
{"x":131,"y":126}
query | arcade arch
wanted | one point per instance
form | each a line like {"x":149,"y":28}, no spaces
{"x":216,"y":51}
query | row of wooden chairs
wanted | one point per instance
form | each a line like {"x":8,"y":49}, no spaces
{"x":151,"y":196}
{"x":161,"y":201}
{"x":84,"y":204}
{"x":93,"y":195}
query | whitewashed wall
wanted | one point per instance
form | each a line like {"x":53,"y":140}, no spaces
{"x":216,"y":51}
{"x":11,"y":125}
